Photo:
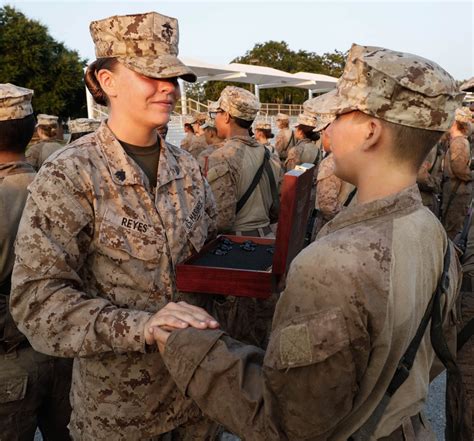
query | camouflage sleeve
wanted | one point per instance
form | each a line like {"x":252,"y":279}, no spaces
{"x":280,"y":142}
{"x":211,"y":211}
{"x":424,"y":177}
{"x":426,"y":180}
{"x":225,"y":192}
{"x":460,"y":160}
{"x":299,"y":389}
{"x":32,"y":155}
{"x":327,"y":192}
{"x":185,"y":143}
{"x":293,"y":159}
{"x":48,"y":301}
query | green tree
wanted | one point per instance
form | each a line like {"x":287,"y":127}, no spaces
{"x":278,"y":55}
{"x":30,"y":57}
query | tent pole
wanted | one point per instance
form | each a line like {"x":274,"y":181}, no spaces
{"x":184,"y":99}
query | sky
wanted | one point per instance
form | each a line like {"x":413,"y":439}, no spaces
{"x":218,"y":31}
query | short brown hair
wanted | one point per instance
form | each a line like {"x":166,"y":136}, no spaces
{"x":410,"y":144}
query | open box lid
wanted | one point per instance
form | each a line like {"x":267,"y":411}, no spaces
{"x":296,"y":201}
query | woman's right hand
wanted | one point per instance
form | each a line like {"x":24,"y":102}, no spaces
{"x":178,"y":316}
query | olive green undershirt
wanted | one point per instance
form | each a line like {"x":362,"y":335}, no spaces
{"x":147,"y":158}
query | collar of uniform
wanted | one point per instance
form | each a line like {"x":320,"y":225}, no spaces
{"x":407,"y":199}
{"x":303,"y":141}
{"x":123,"y":169}
{"x":14,"y":168}
{"x":168,"y":167}
{"x":248,"y":140}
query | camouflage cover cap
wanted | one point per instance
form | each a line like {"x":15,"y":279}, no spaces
{"x":145,"y":43}
{"x":306,"y":119}
{"x":212,"y":106}
{"x":83,"y":125}
{"x":263,"y":125}
{"x":47,"y":120}
{"x":463,"y":114}
{"x":188,"y":119}
{"x":210,"y":122}
{"x":199,"y":118}
{"x":394,"y":86}
{"x":322,"y":119}
{"x":239,"y":103}
{"x":15,"y":102}
{"x":282,"y":117}
{"x":468,"y":86}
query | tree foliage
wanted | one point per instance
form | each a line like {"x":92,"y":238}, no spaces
{"x":278,"y":55}
{"x":30,"y":57}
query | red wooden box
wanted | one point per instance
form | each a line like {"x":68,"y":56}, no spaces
{"x":295,"y":204}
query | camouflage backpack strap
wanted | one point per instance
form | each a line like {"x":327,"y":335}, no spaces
{"x":291,"y":141}
{"x":350,"y":197}
{"x":245,"y":197}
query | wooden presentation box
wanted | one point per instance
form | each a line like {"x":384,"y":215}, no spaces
{"x":227,"y":266}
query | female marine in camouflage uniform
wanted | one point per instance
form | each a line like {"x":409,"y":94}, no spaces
{"x":106,"y":222}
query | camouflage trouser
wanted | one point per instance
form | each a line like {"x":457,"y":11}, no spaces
{"x":34,"y":392}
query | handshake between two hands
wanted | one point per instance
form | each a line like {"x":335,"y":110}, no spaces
{"x":175,"y":316}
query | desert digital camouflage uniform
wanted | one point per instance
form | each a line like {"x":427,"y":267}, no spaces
{"x":39,"y":152}
{"x":204,"y":155}
{"x":465,"y":357}
{"x":233,"y":167}
{"x":285,"y":138}
{"x":83,"y":125}
{"x":430,"y":177}
{"x":331,"y":192}
{"x":97,"y":252}
{"x":34,"y":387}
{"x":265,"y":125}
{"x":203,"y":158}
{"x":334,"y":347}
{"x":188,"y":137}
{"x":305,"y":150}
{"x":231,"y":171}
{"x":96,"y":257}
{"x":457,"y":188}
{"x":186,"y":141}
{"x":198,"y":145}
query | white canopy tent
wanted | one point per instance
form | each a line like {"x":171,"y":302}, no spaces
{"x":261,"y":77}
